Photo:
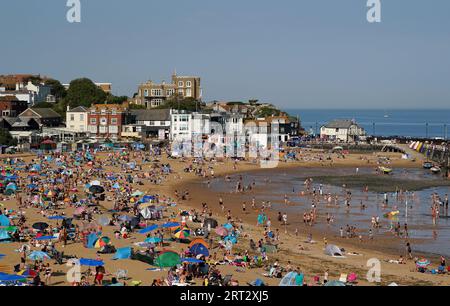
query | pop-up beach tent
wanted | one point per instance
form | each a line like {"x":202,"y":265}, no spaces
{"x":199,"y":249}
{"x":167,"y":259}
{"x":289,"y":279}
{"x":4,"y":220}
{"x":333,"y":250}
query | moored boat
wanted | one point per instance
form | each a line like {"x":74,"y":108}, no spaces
{"x":385,"y":170}
{"x":435,"y":169}
{"x":427,"y":165}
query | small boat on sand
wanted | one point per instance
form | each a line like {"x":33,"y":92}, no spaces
{"x":427,"y":165}
{"x":435,"y":170}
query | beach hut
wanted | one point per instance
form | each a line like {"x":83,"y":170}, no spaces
{"x":333,"y":250}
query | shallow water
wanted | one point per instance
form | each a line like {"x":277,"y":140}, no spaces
{"x":435,"y":238}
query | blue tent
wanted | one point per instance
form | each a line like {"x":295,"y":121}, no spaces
{"x":233,"y":239}
{"x":228,"y":226}
{"x":91,"y":239}
{"x":123,"y":253}
{"x":91,"y":262}
{"x":198,"y":249}
{"x":4,"y":221}
{"x":116,"y":186}
{"x":4,"y":235}
{"x":11,"y":186}
{"x":148,"y":229}
{"x":146,"y":199}
{"x":290,"y":279}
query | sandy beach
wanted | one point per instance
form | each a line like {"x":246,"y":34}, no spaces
{"x":311,"y":260}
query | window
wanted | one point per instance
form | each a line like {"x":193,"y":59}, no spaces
{"x":157,"y":92}
{"x":188,"y":84}
{"x":113,"y":111}
{"x":170,"y":92}
{"x":151,"y":123}
{"x":103,"y":111}
{"x":146,"y":93}
{"x":180,"y":83}
{"x":114,"y":121}
{"x":103,"y":120}
{"x":93,"y":120}
{"x":180,"y":92}
{"x":81,"y":117}
{"x":72,"y":117}
{"x":188,"y":92}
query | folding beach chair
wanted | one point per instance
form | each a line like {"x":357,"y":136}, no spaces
{"x":343,"y":278}
{"x":122,"y":274}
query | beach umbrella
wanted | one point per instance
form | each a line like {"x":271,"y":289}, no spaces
{"x":45,"y":238}
{"x":168,"y":259}
{"x":38,"y":255}
{"x":191,"y":260}
{"x":56,"y":218}
{"x":228,"y":226}
{"x":27,"y":273}
{"x":423,"y":263}
{"x":116,"y":186}
{"x":40,"y":226}
{"x":103,"y":220}
{"x":101,"y":242}
{"x":170,"y":224}
{"x":221,"y":231}
{"x":148,"y":229}
{"x":152,"y":240}
{"x":182,"y":234}
{"x":91,"y":262}
{"x":123,"y":253}
{"x":79,"y":210}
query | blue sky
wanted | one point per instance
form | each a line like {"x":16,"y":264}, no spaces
{"x":293,"y":53}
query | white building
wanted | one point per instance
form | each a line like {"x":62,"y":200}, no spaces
{"x":39,"y":92}
{"x":77,"y":119}
{"x":30,"y":93}
{"x":342,"y":130}
{"x":157,"y":121}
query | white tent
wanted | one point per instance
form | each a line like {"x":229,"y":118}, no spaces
{"x":333,"y":250}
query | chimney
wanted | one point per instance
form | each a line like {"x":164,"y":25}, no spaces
{"x":68,"y":108}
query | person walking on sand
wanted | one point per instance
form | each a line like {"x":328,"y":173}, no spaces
{"x":409,"y":250}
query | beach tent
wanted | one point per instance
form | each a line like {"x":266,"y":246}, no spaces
{"x":90,"y":241}
{"x":333,"y":250}
{"x":199,"y":241}
{"x":167,"y":259}
{"x":4,"y":220}
{"x":4,"y":235}
{"x":199,"y":249}
{"x":103,"y":220}
{"x":152,"y":240}
{"x":96,"y":189}
{"x":182,"y":233}
{"x":221,"y":231}
{"x":45,"y":238}
{"x":38,"y":255}
{"x":210,"y":223}
{"x":289,"y":279}
{"x":123,"y":253}
{"x":170,"y":225}
{"x":270,"y":248}
{"x":4,"y":277}
{"x":40,"y":226}
{"x":257,"y":283}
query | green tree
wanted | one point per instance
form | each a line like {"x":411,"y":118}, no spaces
{"x":6,"y":139}
{"x":57,"y":89}
{"x":188,"y":104}
{"x":111,"y":99}
{"x":267,"y":112}
{"x":83,"y":92}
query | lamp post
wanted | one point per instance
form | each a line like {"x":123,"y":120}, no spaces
{"x":426,"y":130}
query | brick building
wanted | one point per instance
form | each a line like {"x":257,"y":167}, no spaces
{"x":106,"y":120}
